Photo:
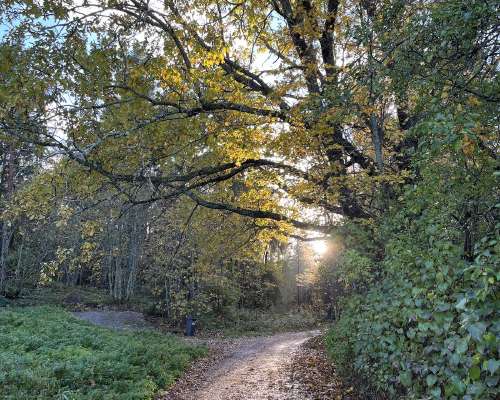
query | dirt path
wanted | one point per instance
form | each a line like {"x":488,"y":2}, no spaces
{"x":254,"y":369}
{"x":130,"y":320}
{"x":248,"y":368}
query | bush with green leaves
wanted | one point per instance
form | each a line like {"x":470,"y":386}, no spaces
{"x":429,"y":329}
{"x":46,"y":353}
{"x":431,"y":333}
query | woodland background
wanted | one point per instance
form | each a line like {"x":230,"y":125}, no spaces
{"x":184,"y":156}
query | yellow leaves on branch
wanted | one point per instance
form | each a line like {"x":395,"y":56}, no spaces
{"x":137,"y":74}
{"x":231,"y":140}
{"x":65,"y":212}
{"x":468,"y":146}
{"x":261,"y":198}
{"x":34,"y":201}
{"x":171,"y":77}
{"x":273,"y":230}
{"x":214,"y":57}
{"x":37,"y":199}
{"x":50,"y":268}
{"x":303,"y":187}
{"x":473,"y":101}
{"x":90,"y":228}
{"x":87,"y":250}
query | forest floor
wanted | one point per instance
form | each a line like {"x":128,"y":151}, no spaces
{"x":46,"y":353}
{"x":285,"y":366}
{"x":130,"y":320}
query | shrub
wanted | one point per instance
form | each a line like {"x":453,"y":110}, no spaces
{"x":429,"y":328}
{"x":245,"y":322}
{"x":431,"y":333}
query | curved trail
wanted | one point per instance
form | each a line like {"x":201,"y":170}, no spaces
{"x":253,"y":370}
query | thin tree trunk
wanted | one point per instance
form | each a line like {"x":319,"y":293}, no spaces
{"x":377,"y":137}
{"x":4,"y":252}
{"x":7,"y":187}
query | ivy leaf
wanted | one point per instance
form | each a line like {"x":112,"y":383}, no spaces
{"x":491,"y":366}
{"x":475,"y":373}
{"x":491,"y":381}
{"x":431,"y":379}
{"x":462,"y":346}
{"x":436,"y":392}
{"x":476,"y":330}
{"x":454,"y":359}
{"x":405,"y":378}
{"x":461,"y":304}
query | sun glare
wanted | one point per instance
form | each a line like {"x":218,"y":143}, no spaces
{"x":319,"y":247}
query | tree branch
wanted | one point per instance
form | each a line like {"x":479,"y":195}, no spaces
{"x":259,"y":214}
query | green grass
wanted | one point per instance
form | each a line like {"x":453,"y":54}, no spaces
{"x":46,"y":353}
{"x":255,"y":323}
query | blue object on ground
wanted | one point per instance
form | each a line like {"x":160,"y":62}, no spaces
{"x":190,"y":326}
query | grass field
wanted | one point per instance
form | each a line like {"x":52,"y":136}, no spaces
{"x":45,"y":353}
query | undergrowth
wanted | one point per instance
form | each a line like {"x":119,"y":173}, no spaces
{"x":46,"y":353}
{"x":257,"y":322}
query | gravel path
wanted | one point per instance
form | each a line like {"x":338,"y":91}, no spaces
{"x":252,"y":369}
{"x":248,"y":368}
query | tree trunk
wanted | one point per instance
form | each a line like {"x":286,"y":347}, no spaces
{"x":7,"y":188}
{"x":377,"y":137}
{"x":4,"y":252}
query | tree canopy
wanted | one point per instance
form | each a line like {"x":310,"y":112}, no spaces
{"x":259,"y":108}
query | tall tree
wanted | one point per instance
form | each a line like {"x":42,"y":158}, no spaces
{"x":308,"y":101}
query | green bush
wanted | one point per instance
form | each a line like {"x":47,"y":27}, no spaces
{"x":431,"y":333}
{"x":429,"y":327}
{"x":3,"y":301}
{"x":46,"y":353}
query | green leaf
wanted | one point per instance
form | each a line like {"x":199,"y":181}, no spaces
{"x":491,"y":381}
{"x":431,"y":379}
{"x":454,"y":359}
{"x":492,"y":366}
{"x":461,"y":304}
{"x":476,"y":359}
{"x":475,"y":373}
{"x":477,"y":330}
{"x":462,"y":346}
{"x":405,"y":378}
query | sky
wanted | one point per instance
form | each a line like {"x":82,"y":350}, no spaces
{"x":6,"y":26}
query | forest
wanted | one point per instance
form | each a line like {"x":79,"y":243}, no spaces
{"x":249,"y":199}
